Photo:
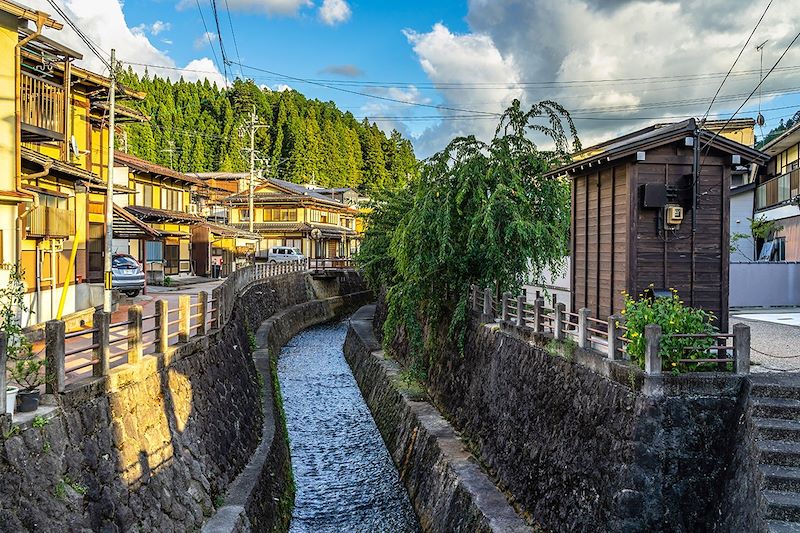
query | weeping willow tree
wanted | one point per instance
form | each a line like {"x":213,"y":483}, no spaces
{"x":478,"y":213}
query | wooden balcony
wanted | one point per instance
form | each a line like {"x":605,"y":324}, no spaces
{"x":51,"y":222}
{"x":42,"y":110}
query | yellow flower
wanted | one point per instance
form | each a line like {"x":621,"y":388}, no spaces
{"x":623,"y":311}
{"x":634,"y":334}
{"x":674,"y":364}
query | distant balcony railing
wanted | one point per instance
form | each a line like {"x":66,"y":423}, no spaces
{"x":778,"y":190}
{"x":42,"y":110}
{"x":51,"y":222}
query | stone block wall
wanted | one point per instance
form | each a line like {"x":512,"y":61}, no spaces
{"x":579,"y":443}
{"x":154,"y":446}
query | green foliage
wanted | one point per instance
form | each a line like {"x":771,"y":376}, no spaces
{"x":61,"y":487}
{"x":25,"y":367}
{"x":674,"y":317}
{"x":167,"y":281}
{"x":479,"y":213}
{"x":779,"y":130}
{"x":13,"y":430}
{"x":760,"y":229}
{"x":195,"y":126}
{"x":39,"y":422}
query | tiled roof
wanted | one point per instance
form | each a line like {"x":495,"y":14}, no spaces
{"x":152,"y":214}
{"x":146,"y":166}
{"x":59,"y":166}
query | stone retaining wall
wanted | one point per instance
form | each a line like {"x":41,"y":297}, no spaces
{"x":447,"y":488}
{"x":154,"y":446}
{"x":581,"y":443}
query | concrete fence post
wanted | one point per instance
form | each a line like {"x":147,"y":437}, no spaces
{"x":652,"y":357}
{"x":741,"y":348}
{"x":202,"y":304}
{"x":538,"y":304}
{"x":100,"y":338}
{"x":583,"y":327}
{"x":488,"y":315}
{"x":505,"y":311}
{"x":54,"y":356}
{"x":3,"y":378}
{"x":558,"y":330}
{"x":473,"y":297}
{"x":162,"y":322}
{"x":614,"y":332}
{"x":134,"y":334}
{"x":215,"y":295}
{"x":184,"y":317}
{"x":521,"y":310}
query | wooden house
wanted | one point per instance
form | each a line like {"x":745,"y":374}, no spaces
{"x":651,"y":208}
{"x":286,"y":214}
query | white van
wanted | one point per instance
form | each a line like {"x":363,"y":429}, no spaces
{"x":279,"y":254}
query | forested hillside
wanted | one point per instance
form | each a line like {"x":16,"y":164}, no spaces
{"x":779,"y":129}
{"x":198,"y":127}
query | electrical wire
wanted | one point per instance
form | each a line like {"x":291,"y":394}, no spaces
{"x":735,"y":61}
{"x":208,"y":35}
{"x":219,"y":38}
{"x":93,"y":47}
{"x":233,"y":35}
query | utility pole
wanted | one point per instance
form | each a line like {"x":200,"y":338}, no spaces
{"x":170,"y":151}
{"x":252,"y":164}
{"x":253,"y":126}
{"x":107,"y":276}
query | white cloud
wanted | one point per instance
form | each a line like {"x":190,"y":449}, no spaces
{"x":280,"y":87}
{"x":546,"y":43}
{"x":334,"y":12}
{"x":204,"y":40}
{"x":159,"y":26}
{"x":451,"y":59}
{"x":270,"y":7}
{"x":393,"y":116}
{"x":104,"y":23}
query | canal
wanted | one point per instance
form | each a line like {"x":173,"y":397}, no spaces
{"x":346,"y":480}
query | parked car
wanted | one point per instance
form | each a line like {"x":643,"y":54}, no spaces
{"x":278,"y":254}
{"x":127,"y":274}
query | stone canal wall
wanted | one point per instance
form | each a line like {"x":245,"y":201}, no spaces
{"x":156,"y":446}
{"x":580,"y":443}
{"x":446,"y":486}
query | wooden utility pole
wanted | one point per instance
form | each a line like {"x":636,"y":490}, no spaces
{"x":107,"y":275}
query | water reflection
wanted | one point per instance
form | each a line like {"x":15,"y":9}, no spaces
{"x":345,"y":479}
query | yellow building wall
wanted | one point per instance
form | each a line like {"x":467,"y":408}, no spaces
{"x":8,"y":211}
{"x":745,"y":136}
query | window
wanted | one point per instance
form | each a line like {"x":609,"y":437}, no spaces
{"x":314,"y":215}
{"x":244,"y":214}
{"x":144,"y":195}
{"x":171,"y":199}
{"x":280,"y":215}
{"x":778,"y":249}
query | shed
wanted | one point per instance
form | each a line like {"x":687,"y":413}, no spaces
{"x":652,"y":207}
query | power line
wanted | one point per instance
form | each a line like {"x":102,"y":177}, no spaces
{"x":735,"y":61}
{"x":233,"y":34}
{"x":93,"y":47}
{"x":208,"y":36}
{"x":756,"y":88}
{"x":219,"y":38}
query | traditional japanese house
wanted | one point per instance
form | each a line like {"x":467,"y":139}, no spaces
{"x":651,"y":207}
{"x":286,"y":214}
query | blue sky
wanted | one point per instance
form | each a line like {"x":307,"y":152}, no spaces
{"x":615,"y":65}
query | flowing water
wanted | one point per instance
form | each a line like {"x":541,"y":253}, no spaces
{"x":346,"y":481}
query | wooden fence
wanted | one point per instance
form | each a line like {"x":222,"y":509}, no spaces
{"x":608,"y":336}
{"x":106,"y":344}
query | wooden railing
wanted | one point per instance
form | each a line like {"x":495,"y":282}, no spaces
{"x":106,"y":345}
{"x":318,"y":264}
{"x":46,"y":221}
{"x":42,"y":104}
{"x":610,"y":336}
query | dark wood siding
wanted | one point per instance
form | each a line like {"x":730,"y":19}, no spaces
{"x":599,"y":245}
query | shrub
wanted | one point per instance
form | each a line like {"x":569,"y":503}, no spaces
{"x":674,"y":318}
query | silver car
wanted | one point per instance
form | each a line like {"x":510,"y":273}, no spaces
{"x":279,"y":254}
{"x":126,"y":274}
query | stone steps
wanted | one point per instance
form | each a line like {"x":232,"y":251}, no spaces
{"x":779,"y":526}
{"x":776,"y":417}
{"x":786,"y":408}
{"x":782,"y":505}
{"x":778,"y":428}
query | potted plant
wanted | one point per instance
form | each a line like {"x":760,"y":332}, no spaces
{"x":25,"y":368}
